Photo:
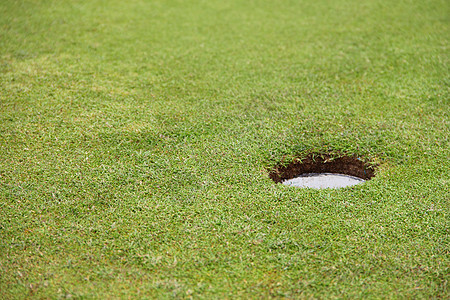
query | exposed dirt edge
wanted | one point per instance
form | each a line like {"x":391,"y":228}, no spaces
{"x":320,"y":163}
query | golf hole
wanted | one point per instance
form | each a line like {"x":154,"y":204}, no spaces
{"x":323,"y":171}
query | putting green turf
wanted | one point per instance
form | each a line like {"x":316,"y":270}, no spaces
{"x":136,"y":139}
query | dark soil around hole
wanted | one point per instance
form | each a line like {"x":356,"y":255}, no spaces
{"x":323,"y":164}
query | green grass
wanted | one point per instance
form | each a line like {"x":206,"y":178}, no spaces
{"x":136,"y":138}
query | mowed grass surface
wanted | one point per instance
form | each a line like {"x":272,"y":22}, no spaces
{"x":136,"y":138}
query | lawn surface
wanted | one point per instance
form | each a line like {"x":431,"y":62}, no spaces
{"x":136,"y":139}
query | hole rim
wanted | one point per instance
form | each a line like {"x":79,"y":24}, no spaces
{"x":352,"y":165}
